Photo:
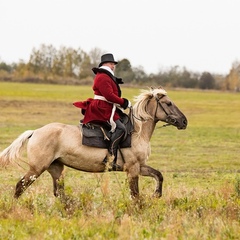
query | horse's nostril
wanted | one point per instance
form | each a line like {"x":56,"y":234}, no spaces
{"x":185,"y":122}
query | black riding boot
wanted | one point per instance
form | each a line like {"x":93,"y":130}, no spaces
{"x":114,"y":142}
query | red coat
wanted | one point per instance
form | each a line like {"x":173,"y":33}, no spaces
{"x":106,"y":85}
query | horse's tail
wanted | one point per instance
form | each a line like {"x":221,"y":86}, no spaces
{"x":14,"y":151}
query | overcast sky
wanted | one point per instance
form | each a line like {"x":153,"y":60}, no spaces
{"x":201,"y":35}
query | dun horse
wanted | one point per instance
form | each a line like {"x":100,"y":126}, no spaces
{"x":55,"y":145}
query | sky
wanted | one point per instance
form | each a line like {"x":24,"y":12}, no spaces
{"x":200,"y":35}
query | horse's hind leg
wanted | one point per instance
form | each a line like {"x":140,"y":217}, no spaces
{"x":26,"y":181}
{"x":56,"y":171}
{"x":151,"y":172}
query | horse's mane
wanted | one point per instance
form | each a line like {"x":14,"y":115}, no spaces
{"x":140,"y":107}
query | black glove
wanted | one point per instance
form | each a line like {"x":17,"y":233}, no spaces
{"x":125,"y":104}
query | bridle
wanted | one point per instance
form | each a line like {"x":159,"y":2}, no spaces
{"x":155,"y":114}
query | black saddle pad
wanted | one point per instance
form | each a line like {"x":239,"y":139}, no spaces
{"x":95,"y":135}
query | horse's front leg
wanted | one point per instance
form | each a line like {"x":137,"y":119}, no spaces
{"x":133,"y":178}
{"x":133,"y":185}
{"x":151,"y":172}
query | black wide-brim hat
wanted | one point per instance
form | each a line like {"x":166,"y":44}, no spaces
{"x":108,"y":57}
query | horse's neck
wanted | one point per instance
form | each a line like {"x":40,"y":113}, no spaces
{"x":146,"y":130}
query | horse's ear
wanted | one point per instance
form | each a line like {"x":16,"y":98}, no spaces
{"x":151,"y":93}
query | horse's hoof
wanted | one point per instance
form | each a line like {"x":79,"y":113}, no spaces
{"x":157,"y":194}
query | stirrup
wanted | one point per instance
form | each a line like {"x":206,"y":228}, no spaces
{"x":110,"y":163}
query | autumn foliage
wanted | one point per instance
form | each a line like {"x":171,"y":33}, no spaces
{"x":67,"y":65}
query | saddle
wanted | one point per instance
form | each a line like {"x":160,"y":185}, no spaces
{"x":99,"y":135}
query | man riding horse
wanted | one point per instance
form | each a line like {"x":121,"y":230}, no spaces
{"x":104,"y":107}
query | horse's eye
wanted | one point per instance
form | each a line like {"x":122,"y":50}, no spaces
{"x":169,"y":104}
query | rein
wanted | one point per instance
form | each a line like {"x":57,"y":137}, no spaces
{"x":132,"y":115}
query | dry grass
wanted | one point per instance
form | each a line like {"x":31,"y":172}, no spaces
{"x":201,"y":193}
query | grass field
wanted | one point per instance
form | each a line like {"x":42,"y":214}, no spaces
{"x":200,"y":165}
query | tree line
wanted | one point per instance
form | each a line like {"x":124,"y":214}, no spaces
{"x":67,"y":65}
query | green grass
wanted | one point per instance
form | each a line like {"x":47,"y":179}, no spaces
{"x":200,"y":165}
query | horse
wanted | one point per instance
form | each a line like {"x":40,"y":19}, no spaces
{"x":56,"y":145}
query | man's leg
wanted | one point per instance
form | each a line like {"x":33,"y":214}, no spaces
{"x":114,"y":142}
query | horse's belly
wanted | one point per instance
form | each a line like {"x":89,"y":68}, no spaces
{"x":89,"y":161}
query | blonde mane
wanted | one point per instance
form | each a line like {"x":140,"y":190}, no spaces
{"x":140,"y":108}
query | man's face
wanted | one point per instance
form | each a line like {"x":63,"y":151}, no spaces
{"x":111,"y":65}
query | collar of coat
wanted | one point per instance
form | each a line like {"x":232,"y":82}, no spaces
{"x":101,"y":70}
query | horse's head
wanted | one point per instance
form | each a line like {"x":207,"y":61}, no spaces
{"x":155,"y":104}
{"x":166,"y":110}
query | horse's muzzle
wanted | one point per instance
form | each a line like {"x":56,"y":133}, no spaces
{"x":184,"y":124}
{"x":180,"y":123}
